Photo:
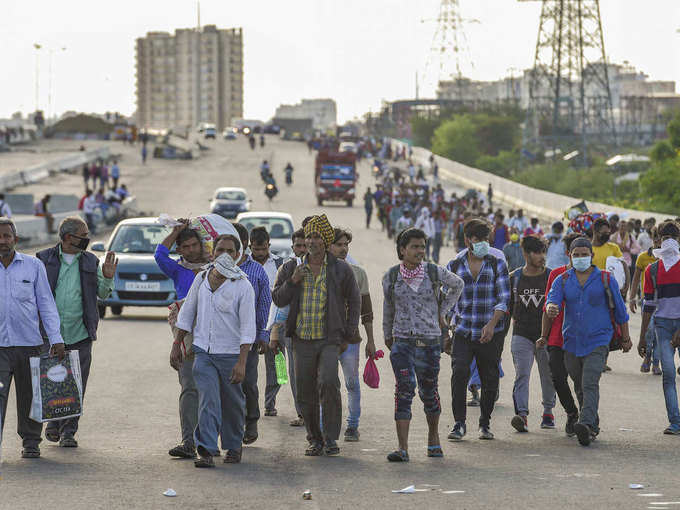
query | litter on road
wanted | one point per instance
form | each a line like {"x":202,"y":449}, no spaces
{"x":406,"y":490}
{"x":170,"y":493}
{"x":636,"y":486}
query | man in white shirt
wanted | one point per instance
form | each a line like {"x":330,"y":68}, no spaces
{"x":520,"y":222}
{"x":4,"y":207}
{"x":89,"y":206}
{"x":644,"y":239}
{"x":220,"y":311}
{"x":259,"y":250}
{"x":26,"y":295}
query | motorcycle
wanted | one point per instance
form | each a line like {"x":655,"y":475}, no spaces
{"x":271,"y":191}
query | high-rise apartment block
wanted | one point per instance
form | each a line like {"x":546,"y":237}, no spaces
{"x":191,"y":77}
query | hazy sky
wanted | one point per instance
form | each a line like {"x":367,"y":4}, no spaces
{"x":355,"y":51}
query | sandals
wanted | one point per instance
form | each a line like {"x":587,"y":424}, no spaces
{"x":68,"y":442}
{"x":249,"y":438}
{"x":435,"y":451}
{"x":315,"y":449}
{"x":30,"y":452}
{"x":298,"y":422}
{"x":52,"y":435}
{"x":232,"y":457}
{"x":398,"y":456}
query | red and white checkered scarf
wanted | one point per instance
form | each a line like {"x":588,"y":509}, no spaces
{"x":413,"y":277}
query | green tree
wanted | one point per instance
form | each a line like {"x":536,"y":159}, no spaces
{"x":422,"y":130}
{"x":496,"y":133}
{"x":660,"y":187}
{"x":457,"y":139}
{"x":504,"y":164}
{"x":673,"y":129}
{"x":662,"y":151}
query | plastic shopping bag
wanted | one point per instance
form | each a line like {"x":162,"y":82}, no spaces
{"x":371,"y":374}
{"x":57,"y":388}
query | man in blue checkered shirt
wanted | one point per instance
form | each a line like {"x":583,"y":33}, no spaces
{"x":480,"y":325}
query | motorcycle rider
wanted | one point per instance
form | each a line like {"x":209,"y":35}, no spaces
{"x":289,"y":174}
{"x":261,"y":140}
{"x":265,"y":170}
{"x":270,"y":188}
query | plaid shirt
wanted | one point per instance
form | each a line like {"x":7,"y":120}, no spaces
{"x":480,"y":297}
{"x":263,"y":296}
{"x":311,"y":320}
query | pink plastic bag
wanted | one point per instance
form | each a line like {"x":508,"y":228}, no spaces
{"x":371,"y":374}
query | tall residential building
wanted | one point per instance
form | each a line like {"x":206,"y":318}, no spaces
{"x":323,"y":112}
{"x":191,"y":77}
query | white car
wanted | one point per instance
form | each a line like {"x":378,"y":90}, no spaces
{"x":348,"y":147}
{"x":279,"y":225}
{"x":228,"y":202}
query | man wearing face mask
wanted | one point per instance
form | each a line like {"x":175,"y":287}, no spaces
{"x":662,"y":299}
{"x":479,"y":320}
{"x":587,"y":328}
{"x":76,"y":279}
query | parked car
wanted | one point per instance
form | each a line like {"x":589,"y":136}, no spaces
{"x":278,"y":224}
{"x":229,"y":202}
{"x":229,"y":133}
{"x":138,"y":281}
{"x":210,"y":132}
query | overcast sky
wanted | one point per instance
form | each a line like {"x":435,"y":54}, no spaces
{"x":358,"y":52}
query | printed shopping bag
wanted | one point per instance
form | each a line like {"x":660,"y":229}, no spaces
{"x":57,"y":387}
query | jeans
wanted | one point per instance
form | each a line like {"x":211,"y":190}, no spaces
{"x":349,"y":361}
{"x":272,"y":388}
{"x":69,"y":426}
{"x":487,"y":356}
{"x":221,"y":404}
{"x":523,"y":353}
{"x":413,"y":364}
{"x":561,"y":382}
{"x":251,"y":391}
{"x":188,"y":401}
{"x":288,"y":345}
{"x":586,"y":372}
{"x":317,"y":382}
{"x":14,"y":363}
{"x":436,"y":246}
{"x":665,"y":328}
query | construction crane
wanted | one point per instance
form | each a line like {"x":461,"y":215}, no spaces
{"x":570,"y":101}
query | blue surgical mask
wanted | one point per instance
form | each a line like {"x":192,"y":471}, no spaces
{"x":480,"y":249}
{"x":581,"y":263}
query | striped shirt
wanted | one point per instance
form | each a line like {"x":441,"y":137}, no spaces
{"x":263,"y":296}
{"x":667,"y":304}
{"x":311,"y":319}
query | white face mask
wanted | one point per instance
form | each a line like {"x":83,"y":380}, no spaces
{"x":669,"y":253}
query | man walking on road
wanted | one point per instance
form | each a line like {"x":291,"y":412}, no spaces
{"x":662,"y":299}
{"x":480,"y":326}
{"x":192,"y":259}
{"x":259,"y":248}
{"x":349,"y":360}
{"x":586,"y":293}
{"x":26,"y":296}
{"x":220,"y":311}
{"x":368,"y":206}
{"x":528,"y":285}
{"x":413,"y":318}
{"x":324,"y":315}
{"x":263,"y":300}
{"x":76,"y":279}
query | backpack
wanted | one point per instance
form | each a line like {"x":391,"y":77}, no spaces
{"x":617,"y":336}
{"x":432,"y":273}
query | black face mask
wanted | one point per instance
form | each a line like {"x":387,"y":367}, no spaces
{"x":82,"y":244}
{"x":604,"y":237}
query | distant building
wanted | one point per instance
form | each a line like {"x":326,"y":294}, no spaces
{"x":323,"y":112}
{"x":191,"y":77}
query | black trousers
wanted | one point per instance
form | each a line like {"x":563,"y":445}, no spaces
{"x":561,"y":382}
{"x":14,"y":364}
{"x":69,"y":426}
{"x":487,"y":356}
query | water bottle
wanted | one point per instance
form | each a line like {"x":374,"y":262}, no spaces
{"x":281,"y":372}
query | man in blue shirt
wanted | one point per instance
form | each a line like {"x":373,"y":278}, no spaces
{"x":480,"y":325}
{"x":26,"y":301}
{"x":182,"y":273}
{"x":263,"y":300}
{"x":587,"y":328}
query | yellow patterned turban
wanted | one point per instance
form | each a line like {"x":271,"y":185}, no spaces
{"x":320,"y":225}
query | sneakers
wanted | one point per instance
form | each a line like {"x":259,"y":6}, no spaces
{"x":298,"y":422}
{"x":519,"y":423}
{"x":584,"y":433}
{"x":183,"y":451}
{"x":656,"y":369}
{"x":351,"y":434}
{"x":485,"y":432}
{"x":572,"y":419}
{"x":548,"y":421}
{"x":672,"y":430}
{"x":315,"y":449}
{"x":458,"y":431}
{"x":474,"y":399}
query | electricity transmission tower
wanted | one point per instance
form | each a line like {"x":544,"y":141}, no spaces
{"x":448,"y":44}
{"x":570,"y":101}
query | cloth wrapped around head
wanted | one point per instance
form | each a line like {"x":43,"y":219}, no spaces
{"x":320,"y":225}
{"x":226,"y":266}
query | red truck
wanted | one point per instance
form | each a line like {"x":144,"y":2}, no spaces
{"x":335,"y":176}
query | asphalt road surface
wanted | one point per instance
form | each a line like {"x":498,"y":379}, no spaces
{"x":131,"y":417}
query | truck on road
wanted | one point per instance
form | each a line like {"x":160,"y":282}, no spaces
{"x":335,"y":176}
